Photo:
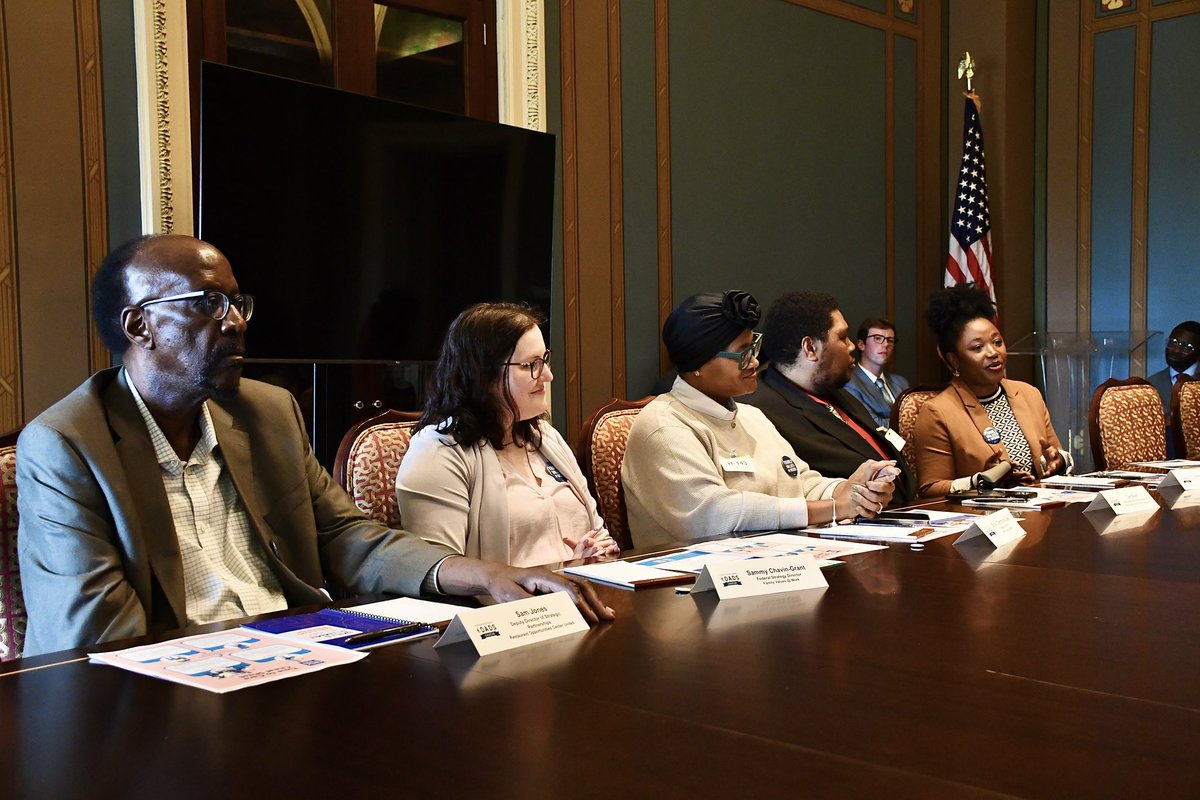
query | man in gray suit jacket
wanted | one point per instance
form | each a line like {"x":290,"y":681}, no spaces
{"x":870,"y":382}
{"x":807,"y":341}
{"x":168,"y":492}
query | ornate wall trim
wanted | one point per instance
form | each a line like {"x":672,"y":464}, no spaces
{"x":164,"y":115}
{"x":616,"y":200}
{"x":11,"y":410}
{"x":662,"y":125}
{"x":95,"y":194}
{"x":521,"y":53}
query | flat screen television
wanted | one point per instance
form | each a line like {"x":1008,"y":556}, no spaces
{"x":363,"y":225}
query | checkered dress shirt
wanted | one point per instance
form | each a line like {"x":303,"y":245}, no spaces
{"x":225,"y":571}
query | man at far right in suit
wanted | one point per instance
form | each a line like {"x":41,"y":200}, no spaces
{"x":870,"y":382}
{"x":1183,"y":346}
{"x":803,"y":392}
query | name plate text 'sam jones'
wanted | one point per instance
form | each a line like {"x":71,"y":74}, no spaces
{"x":504,"y":626}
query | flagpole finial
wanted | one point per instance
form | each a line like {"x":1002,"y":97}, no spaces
{"x":966,"y":68}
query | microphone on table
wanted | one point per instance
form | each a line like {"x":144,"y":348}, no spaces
{"x":987,"y":480}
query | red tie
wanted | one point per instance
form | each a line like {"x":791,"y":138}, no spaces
{"x":1180,"y":376}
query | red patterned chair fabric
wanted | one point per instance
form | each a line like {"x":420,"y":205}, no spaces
{"x":601,"y":450}
{"x":369,"y":457}
{"x":1185,"y":418}
{"x":904,"y":418}
{"x":1125,"y":422}
{"x":12,"y":604}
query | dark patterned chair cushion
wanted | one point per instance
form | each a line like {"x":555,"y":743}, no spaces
{"x":12,"y":605}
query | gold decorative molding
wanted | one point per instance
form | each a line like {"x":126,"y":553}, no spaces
{"x":95,"y":194}
{"x":521,"y":51}
{"x":11,"y":411}
{"x":164,"y":116}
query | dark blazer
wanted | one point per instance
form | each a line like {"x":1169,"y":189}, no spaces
{"x":97,"y":544}
{"x":872,"y":397}
{"x":828,"y":444}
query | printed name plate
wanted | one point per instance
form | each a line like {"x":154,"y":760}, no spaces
{"x":1187,"y":480}
{"x":999,"y":528}
{"x":760,"y":576}
{"x":1127,"y":500}
{"x":504,"y":626}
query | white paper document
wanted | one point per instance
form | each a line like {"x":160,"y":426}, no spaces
{"x":1172,"y":463}
{"x":411,"y":609}
{"x":626,"y":574}
{"x":1084,"y":482}
{"x":228,"y":660}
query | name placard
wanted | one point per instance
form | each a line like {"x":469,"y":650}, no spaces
{"x":1127,"y":500}
{"x":1186,"y":480}
{"x":760,"y":576}
{"x":504,"y":626}
{"x":999,"y":528}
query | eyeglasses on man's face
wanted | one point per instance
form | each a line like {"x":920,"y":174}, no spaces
{"x":535,"y":366}
{"x":1175,"y":344}
{"x":744,"y":357}
{"x":216,"y":304}
{"x":880,"y":339}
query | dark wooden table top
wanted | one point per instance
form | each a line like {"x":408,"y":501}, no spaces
{"x":1062,"y":667}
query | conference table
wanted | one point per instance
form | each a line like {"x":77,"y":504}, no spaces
{"x":1065,"y":665}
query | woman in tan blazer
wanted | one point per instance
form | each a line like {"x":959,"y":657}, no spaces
{"x":982,"y":418}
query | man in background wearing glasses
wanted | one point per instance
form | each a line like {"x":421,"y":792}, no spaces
{"x":803,"y":392}
{"x":870,"y":382}
{"x":1183,"y":347}
{"x":168,"y":492}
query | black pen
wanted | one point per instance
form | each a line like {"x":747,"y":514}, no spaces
{"x":384,"y":633}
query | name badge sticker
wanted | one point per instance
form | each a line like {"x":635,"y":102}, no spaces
{"x":789,"y":467}
{"x":553,"y":472}
{"x":738,"y":464}
{"x":504,"y":626}
{"x":893,"y":438}
{"x":991,"y":435}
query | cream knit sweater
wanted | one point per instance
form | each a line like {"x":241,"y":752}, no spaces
{"x":677,"y":476}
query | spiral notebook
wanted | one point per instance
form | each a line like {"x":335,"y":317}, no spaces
{"x":344,"y":627}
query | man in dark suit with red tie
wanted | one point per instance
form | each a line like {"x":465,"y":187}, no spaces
{"x":802,"y":391}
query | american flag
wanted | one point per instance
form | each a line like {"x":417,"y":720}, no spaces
{"x":970,"y":258}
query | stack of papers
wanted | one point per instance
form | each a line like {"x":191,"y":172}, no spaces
{"x":627,"y":575}
{"x":1087,"y":483}
{"x":940,"y":523}
{"x":683,"y":565}
{"x":1045,"y":498}
{"x":1147,"y":478}
{"x":1173,"y":463}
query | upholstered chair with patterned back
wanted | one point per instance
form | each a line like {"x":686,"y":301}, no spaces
{"x":1185,"y":418}
{"x":368,"y":459}
{"x":601,"y":451}
{"x":12,"y":604}
{"x":904,"y":418}
{"x":1125,"y":422}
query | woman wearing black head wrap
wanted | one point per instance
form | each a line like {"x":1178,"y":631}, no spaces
{"x":699,"y":464}
{"x":982,"y":418}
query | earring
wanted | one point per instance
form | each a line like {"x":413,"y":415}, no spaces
{"x":696,"y":373}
